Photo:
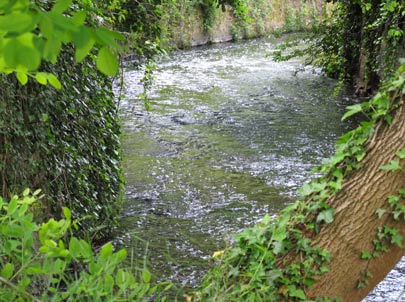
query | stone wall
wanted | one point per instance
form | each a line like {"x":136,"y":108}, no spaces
{"x":185,"y":27}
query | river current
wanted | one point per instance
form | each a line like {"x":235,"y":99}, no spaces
{"x":231,"y":136}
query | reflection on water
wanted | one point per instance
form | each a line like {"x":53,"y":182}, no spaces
{"x":232,"y":135}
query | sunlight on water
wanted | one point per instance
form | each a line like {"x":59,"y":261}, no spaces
{"x":232,"y":136}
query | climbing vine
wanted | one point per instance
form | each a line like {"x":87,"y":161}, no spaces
{"x":359,"y":43}
{"x":65,"y":142}
{"x":276,"y":259}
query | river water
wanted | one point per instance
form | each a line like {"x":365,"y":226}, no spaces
{"x":231,"y":136}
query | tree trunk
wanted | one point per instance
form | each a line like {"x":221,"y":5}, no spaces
{"x":355,"y":226}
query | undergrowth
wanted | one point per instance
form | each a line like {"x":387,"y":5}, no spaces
{"x":276,"y":260}
{"x":45,"y":262}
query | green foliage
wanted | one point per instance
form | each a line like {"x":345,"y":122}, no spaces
{"x":36,"y":261}
{"x":360,"y":39}
{"x":34,"y":32}
{"x":65,"y":142}
{"x":276,"y":259}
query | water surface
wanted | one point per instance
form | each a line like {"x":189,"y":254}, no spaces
{"x":231,"y":137}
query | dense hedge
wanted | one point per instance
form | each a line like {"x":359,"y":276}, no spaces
{"x":64,"y":142}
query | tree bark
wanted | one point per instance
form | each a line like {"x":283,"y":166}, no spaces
{"x":355,"y":226}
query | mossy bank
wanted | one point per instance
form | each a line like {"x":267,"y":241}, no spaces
{"x":187,"y":23}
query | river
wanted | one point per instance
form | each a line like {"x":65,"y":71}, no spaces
{"x":231,"y":136}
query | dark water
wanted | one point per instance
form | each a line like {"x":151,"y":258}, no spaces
{"x":232,"y":136}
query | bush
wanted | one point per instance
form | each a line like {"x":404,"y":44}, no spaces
{"x":45,"y":262}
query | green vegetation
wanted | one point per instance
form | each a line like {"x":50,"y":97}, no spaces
{"x":46,"y":262}
{"x":276,"y":259}
{"x":359,"y":43}
{"x":66,"y":142}
{"x":173,"y":23}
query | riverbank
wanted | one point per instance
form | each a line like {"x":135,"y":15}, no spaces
{"x":185,"y":25}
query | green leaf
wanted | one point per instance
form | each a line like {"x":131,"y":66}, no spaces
{"x":107,"y":62}
{"x":280,"y":231}
{"x":366,"y":255}
{"x":107,"y":37}
{"x":74,"y":247}
{"x":67,"y":213}
{"x":108,"y":284}
{"x":324,"y":269}
{"x":61,"y":6}
{"x":392,"y":199}
{"x":106,"y":250}
{"x":397,"y":239}
{"x":22,"y":77}
{"x":352,"y":110}
{"x":84,"y":42}
{"x":41,"y":77}
{"x":121,"y":255}
{"x":86,"y":250}
{"x":146,"y":276}
{"x":326,"y":216}
{"x":124,"y":279}
{"x":26,"y":192}
{"x":401,"y":154}
{"x":36,"y":193}
{"x":12,"y":206}
{"x":392,"y":166}
{"x":20,"y":53}
{"x":297,"y":293}
{"x":7,"y":271}
{"x":15,"y":22}
{"x":79,"y":17}
{"x":53,"y":80}
{"x":62,"y":23}
{"x":46,"y":27}
{"x":306,"y":189}
{"x":380,"y":212}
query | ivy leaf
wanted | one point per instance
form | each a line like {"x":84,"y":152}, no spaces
{"x":392,"y":166}
{"x":401,"y":154}
{"x":352,"y":110}
{"x":280,"y":232}
{"x":397,"y":239}
{"x":392,"y":199}
{"x":326,"y":216}
{"x":107,"y":62}
{"x":366,"y":255}
{"x":380,"y":212}
{"x":297,"y":293}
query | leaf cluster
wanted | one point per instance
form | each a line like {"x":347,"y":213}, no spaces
{"x":359,"y":39}
{"x":36,"y":261}
{"x":35,"y":32}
